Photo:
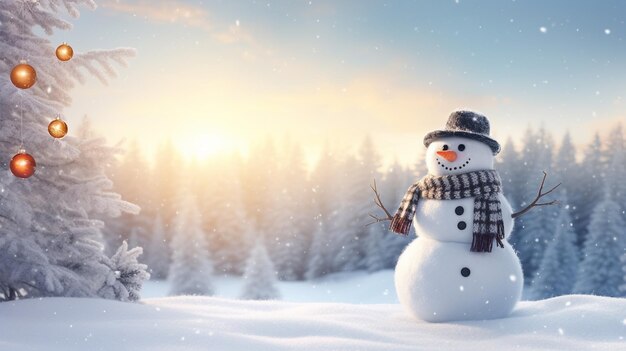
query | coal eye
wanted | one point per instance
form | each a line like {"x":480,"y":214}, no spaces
{"x":461,"y":147}
{"x":445,"y":147}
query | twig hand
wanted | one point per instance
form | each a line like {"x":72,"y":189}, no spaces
{"x":378,"y":203}
{"x":540,"y":194}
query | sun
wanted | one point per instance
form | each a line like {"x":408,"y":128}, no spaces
{"x":202,"y":146}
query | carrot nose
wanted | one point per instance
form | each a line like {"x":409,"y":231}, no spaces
{"x":449,"y":155}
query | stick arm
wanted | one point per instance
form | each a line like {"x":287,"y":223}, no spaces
{"x":379,"y":203}
{"x":535,"y":202}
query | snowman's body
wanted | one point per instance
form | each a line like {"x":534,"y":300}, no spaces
{"x":430,"y":285}
{"x":437,"y":277}
{"x":440,"y":219}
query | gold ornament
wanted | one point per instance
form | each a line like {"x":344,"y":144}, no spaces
{"x":23,"y":75}
{"x":22,"y":165}
{"x":57,"y":128}
{"x":64,"y":52}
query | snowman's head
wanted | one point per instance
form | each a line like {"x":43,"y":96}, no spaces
{"x":455,"y":155}
{"x":463,"y":146}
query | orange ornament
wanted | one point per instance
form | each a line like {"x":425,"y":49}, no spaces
{"x":64,"y":52}
{"x":57,"y":128}
{"x":23,"y":75}
{"x":22,"y":165}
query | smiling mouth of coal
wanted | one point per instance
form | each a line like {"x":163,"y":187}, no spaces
{"x":453,"y":168}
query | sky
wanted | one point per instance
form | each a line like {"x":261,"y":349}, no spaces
{"x":213,"y":76}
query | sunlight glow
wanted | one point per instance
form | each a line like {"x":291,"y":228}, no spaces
{"x":204,"y":145}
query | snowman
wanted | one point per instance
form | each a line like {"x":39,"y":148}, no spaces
{"x":460,"y":267}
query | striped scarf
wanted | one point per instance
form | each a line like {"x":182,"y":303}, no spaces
{"x":483,"y":186}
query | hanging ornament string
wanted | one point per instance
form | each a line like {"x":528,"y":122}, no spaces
{"x":22,"y":123}
{"x":22,"y":164}
{"x":58,"y":127}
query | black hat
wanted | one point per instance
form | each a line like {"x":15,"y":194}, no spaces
{"x":466,"y":124}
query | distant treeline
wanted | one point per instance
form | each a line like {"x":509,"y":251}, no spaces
{"x":312,"y":223}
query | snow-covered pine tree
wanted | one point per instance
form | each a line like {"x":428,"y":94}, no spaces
{"x":287,"y":249}
{"x":565,"y":168}
{"x":165,"y":183}
{"x":559,"y":266}
{"x":129,"y":178}
{"x":324,"y":182}
{"x":537,"y":231}
{"x":571,"y":174}
{"x":345,"y":249}
{"x":585,"y":198}
{"x":225,"y":219}
{"x":374,"y":249}
{"x":622,"y":287}
{"x":50,"y":239}
{"x":126,"y":276}
{"x":536,"y":227}
{"x":260,"y":275}
{"x":508,"y":165}
{"x":600,"y":270}
{"x":356,"y":203}
{"x":157,"y":252}
{"x":256,"y":178}
{"x":523,"y":173}
{"x":325,"y":185}
{"x":191,"y":269}
{"x":393,"y":187}
{"x":288,"y":218}
{"x":319,"y":259}
{"x":615,"y":159}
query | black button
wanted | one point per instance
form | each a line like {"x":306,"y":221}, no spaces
{"x":459,"y":210}
{"x":461,"y":225}
{"x":465,"y":272}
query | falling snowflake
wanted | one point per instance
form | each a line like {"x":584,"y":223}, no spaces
{"x":607,"y":31}
{"x":543,"y":29}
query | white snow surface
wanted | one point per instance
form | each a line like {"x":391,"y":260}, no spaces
{"x":571,"y":322}
{"x":348,"y":287}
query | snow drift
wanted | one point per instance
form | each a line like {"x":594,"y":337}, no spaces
{"x":573,"y":322}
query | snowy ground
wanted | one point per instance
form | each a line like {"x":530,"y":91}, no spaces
{"x":333,"y":322}
{"x":352,"y":287}
{"x":208,"y":323}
